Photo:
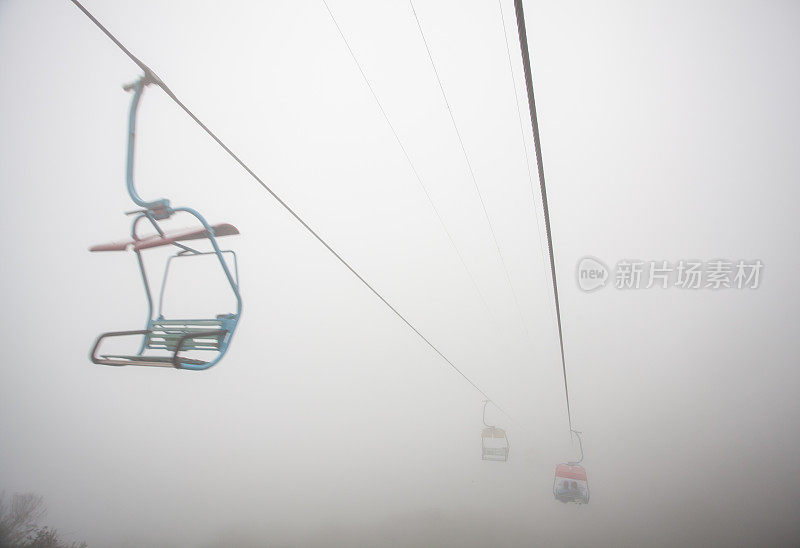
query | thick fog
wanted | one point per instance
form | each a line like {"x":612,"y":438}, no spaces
{"x":669,"y":132}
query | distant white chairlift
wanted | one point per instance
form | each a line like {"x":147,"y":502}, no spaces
{"x":494,"y":441}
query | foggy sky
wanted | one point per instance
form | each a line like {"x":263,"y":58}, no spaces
{"x":669,"y":132}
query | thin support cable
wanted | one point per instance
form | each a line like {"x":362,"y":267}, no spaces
{"x":526,"y":64}
{"x":410,"y":162}
{"x":288,"y":208}
{"x":471,"y":171}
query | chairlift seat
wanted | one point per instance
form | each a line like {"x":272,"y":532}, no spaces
{"x":174,"y":336}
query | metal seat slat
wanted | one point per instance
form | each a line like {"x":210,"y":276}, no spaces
{"x":165,"y":334}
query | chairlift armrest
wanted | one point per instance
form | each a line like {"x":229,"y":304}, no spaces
{"x":98,"y":360}
{"x":188,"y":336}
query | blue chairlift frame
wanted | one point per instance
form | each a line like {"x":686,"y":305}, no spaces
{"x":160,"y":333}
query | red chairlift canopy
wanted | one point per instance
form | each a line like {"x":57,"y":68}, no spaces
{"x":156,"y":240}
{"x":575,"y":472}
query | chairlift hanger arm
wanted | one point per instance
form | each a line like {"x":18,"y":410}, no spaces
{"x":160,"y":208}
{"x":485,"y":403}
{"x":580,"y":444}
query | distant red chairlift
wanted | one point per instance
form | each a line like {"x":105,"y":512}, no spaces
{"x":570,"y":483}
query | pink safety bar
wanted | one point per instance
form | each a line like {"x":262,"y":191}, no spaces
{"x":222,"y":229}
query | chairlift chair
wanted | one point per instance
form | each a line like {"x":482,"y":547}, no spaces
{"x":170,"y":337}
{"x":494,"y":441}
{"x":570,"y":483}
{"x":494,"y":444}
